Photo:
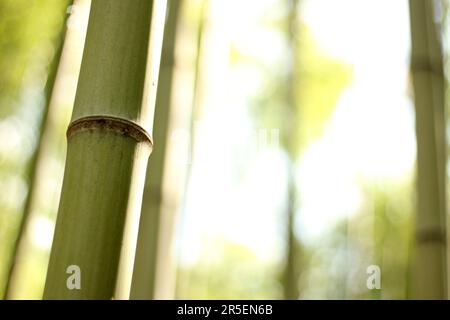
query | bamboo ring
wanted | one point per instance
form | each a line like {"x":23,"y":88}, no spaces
{"x":435,"y":235}
{"x":116,"y":124}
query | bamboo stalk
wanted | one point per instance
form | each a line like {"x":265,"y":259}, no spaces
{"x":107,"y":152}
{"x":290,"y":276}
{"x":35,"y":160}
{"x":429,"y":275}
{"x":149,"y":250}
{"x":380,"y":224}
{"x":184,"y":276}
{"x":291,"y":290}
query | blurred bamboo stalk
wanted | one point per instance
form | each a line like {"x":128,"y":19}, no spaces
{"x":156,"y":229}
{"x":42,"y":126}
{"x":291,"y":290}
{"x":184,"y":277}
{"x":380,"y":226}
{"x":430,"y":262}
{"x":107,"y":152}
{"x":291,"y":276}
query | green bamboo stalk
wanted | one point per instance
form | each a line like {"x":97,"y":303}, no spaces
{"x":380,"y":224}
{"x":108,"y":147}
{"x":291,"y":291}
{"x":290,"y":276}
{"x":430,"y":262}
{"x":184,"y":276}
{"x":42,"y":126}
{"x":149,"y":251}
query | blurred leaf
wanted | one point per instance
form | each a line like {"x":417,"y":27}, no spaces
{"x":319,"y":82}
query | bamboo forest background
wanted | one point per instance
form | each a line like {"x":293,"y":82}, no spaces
{"x":289,"y":151}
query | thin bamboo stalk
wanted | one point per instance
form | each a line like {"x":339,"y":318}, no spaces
{"x":35,"y":160}
{"x":184,"y":276}
{"x":291,"y":288}
{"x":107,"y":152}
{"x":380,"y":224}
{"x":290,"y":276}
{"x":429,"y":275}
{"x":149,"y":251}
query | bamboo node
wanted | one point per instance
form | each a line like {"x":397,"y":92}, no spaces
{"x":418,"y":64}
{"x":433,"y":235}
{"x":116,"y":124}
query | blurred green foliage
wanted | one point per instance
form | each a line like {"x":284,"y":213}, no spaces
{"x":28,"y":29}
{"x":319,"y":82}
{"x":233,"y":270}
{"x":229,"y":271}
{"x":378,"y":234}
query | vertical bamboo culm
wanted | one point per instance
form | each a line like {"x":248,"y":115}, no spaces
{"x":291,"y":272}
{"x":148,"y":279}
{"x":108,"y":147}
{"x":429,"y":272}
